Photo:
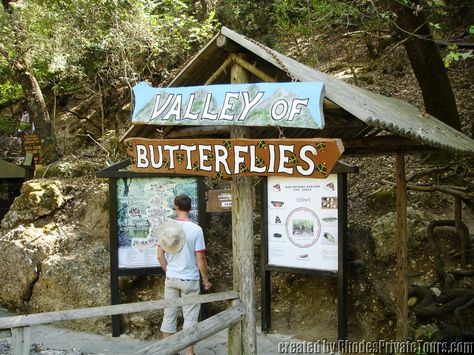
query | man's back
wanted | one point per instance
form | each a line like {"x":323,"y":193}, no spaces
{"x":183,"y":265}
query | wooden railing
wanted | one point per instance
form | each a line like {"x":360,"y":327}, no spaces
{"x":18,"y":327}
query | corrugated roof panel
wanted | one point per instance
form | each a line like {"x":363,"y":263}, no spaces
{"x":375,"y":110}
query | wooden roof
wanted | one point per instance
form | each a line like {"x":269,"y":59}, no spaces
{"x":366,"y":122}
{"x":11,"y":171}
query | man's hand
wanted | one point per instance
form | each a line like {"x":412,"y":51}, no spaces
{"x":207,"y":284}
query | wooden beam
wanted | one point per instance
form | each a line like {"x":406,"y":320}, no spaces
{"x":227,"y":44}
{"x":383,"y":144}
{"x":242,"y":246}
{"x":72,"y":314}
{"x":178,"y":341}
{"x":238,"y":59}
{"x":402,"y":252}
{"x":219,"y":71}
{"x":21,"y":341}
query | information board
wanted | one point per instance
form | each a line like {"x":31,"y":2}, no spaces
{"x":303,"y":222}
{"x":142,"y":205}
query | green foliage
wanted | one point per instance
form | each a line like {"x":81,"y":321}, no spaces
{"x":121,"y":41}
{"x":9,"y":93}
{"x":455,"y":54}
{"x":8,"y":125}
{"x":252,"y":18}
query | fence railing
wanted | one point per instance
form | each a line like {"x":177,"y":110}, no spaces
{"x":18,"y":327}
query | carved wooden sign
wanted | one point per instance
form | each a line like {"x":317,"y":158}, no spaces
{"x":292,"y":104}
{"x":222,"y":158}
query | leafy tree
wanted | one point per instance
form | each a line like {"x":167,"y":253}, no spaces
{"x":97,"y":44}
{"x":18,"y":55}
{"x":413,"y":22}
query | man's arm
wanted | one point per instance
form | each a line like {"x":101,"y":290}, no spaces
{"x":161,"y":258}
{"x":202,"y":265}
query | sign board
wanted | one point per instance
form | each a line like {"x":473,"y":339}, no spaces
{"x":235,"y":157}
{"x":303,"y":223}
{"x":219,"y":201}
{"x":142,"y":205}
{"x":32,"y":144}
{"x":292,"y":104}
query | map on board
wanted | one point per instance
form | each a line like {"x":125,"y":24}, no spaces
{"x":142,"y":205}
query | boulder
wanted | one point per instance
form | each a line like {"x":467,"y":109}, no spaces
{"x":38,"y":198}
{"x":21,"y":253}
{"x":78,"y":279}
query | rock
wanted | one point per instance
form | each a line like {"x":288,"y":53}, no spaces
{"x":384,"y":196}
{"x":16,"y":281}
{"x":21,"y":253}
{"x":412,"y":301}
{"x":93,"y":218}
{"x":384,"y":232}
{"x":76,"y":280}
{"x":38,"y":198}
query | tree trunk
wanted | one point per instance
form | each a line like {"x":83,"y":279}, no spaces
{"x":427,"y":64}
{"x":33,"y":95}
{"x":35,"y":102}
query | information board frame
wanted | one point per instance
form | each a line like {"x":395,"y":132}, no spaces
{"x":114,"y":173}
{"x":340,"y":273}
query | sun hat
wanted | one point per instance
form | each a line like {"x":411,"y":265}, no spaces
{"x":171,"y":237}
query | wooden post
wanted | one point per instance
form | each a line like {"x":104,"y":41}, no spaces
{"x":21,"y":341}
{"x":343,"y":258}
{"x":114,"y":278}
{"x":243,"y":340}
{"x":402,"y":252}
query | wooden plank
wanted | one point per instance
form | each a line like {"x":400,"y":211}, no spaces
{"x":21,"y":338}
{"x":237,"y":156}
{"x":402,"y":252}
{"x":81,"y":313}
{"x":242,"y":244}
{"x":178,"y":341}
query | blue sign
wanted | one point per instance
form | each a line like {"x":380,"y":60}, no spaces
{"x":292,"y":104}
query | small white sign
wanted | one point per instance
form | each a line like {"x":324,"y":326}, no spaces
{"x":303,"y":222}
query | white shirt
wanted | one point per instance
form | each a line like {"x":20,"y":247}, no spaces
{"x":183,"y":264}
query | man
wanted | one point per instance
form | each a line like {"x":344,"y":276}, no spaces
{"x":181,"y":254}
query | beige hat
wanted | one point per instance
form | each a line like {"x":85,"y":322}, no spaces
{"x":171,"y":237}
